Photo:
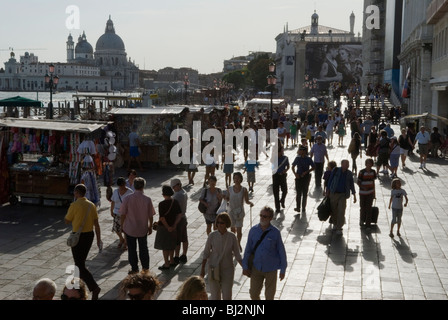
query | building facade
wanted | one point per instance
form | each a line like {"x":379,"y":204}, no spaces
{"x":302,"y":53}
{"x":416,"y":55}
{"x":437,"y":16}
{"x":105,"y":69}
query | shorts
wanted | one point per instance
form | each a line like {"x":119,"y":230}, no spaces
{"x":251,"y":177}
{"x":423,"y":149}
{"x":383,"y":159}
{"x":237,"y":219}
{"x":134,"y":152}
{"x":396,"y":215}
{"x":404,"y":151}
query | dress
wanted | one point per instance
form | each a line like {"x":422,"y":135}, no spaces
{"x":167,"y":240}
{"x":213,"y":204}
{"x":236,"y":207}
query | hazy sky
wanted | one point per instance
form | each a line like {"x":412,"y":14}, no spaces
{"x":199,"y":34}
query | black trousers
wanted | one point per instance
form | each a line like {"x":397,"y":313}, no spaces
{"x":279,"y":183}
{"x":80,"y":253}
{"x":319,"y":173}
{"x":302,"y":187}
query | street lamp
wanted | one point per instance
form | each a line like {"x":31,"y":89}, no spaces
{"x":272,"y":81}
{"x":52,"y":83}
{"x":186,"y":83}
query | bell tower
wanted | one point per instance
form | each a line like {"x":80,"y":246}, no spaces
{"x":70,"y":49}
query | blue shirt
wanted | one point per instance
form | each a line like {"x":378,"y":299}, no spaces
{"x":270,"y":254}
{"x":250,"y":166}
{"x":319,"y":151}
{"x":303,"y":164}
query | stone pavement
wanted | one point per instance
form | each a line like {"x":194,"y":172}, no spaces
{"x":321,"y":265}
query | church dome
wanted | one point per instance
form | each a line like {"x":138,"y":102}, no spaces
{"x":83,"y":47}
{"x":110,"y":40}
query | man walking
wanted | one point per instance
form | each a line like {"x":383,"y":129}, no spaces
{"x":83,"y":213}
{"x":302,"y":174}
{"x":319,"y":152}
{"x":366,"y":184}
{"x":340,"y":184}
{"x":182,"y":237}
{"x":264,"y":255}
{"x":137,"y":213}
{"x":279,"y":179}
{"x":424,"y":139}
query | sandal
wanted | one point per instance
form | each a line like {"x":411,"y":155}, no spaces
{"x":120,"y":244}
{"x":398,"y":234}
{"x":391,"y":235}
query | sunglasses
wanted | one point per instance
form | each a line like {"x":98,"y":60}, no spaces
{"x":65,"y":297}
{"x":139,"y":296}
{"x":264,"y":216}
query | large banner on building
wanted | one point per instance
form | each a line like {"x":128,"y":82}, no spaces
{"x":332,"y":62}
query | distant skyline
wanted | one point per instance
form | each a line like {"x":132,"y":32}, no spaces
{"x":198,"y":34}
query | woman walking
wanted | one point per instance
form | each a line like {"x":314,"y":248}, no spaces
{"x":405,"y":146}
{"x":166,"y":237}
{"x":211,"y":198}
{"x":355,"y":150}
{"x":237,"y":195}
{"x":220,"y":248}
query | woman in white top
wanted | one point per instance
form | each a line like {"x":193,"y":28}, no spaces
{"x":220,"y":248}
{"x":116,"y":200}
{"x":236,"y":196}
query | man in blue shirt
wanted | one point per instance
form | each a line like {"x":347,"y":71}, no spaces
{"x":265,"y":245}
{"x":340,"y":184}
{"x":305,"y":166}
{"x":279,"y":179}
{"x":319,"y":152}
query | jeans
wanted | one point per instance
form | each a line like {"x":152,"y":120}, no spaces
{"x":80,"y":253}
{"x":143,"y":252}
{"x":279,"y":182}
{"x":302,"y":186}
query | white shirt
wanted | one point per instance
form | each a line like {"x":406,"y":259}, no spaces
{"x":118,"y":199}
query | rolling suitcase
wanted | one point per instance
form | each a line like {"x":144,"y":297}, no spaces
{"x":375,"y":213}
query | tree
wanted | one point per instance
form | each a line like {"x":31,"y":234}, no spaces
{"x":237,"y":78}
{"x":259,"y":70}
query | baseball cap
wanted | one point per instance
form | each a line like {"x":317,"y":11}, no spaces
{"x":175,"y":182}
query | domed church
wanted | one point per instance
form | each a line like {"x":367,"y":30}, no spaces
{"x":110,"y":56}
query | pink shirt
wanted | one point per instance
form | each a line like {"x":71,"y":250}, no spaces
{"x":138,"y":209}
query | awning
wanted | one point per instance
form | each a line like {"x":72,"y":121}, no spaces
{"x":147,"y":111}
{"x":425,"y":117}
{"x":20,"y":102}
{"x":56,"y":125}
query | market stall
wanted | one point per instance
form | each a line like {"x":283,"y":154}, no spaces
{"x":47,"y":158}
{"x":154,"y":129}
{"x":13,"y":104}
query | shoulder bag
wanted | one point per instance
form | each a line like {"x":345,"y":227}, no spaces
{"x":202,"y":208}
{"x":73,"y":238}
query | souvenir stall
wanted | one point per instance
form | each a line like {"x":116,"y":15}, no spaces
{"x":154,"y":129}
{"x":47,"y":158}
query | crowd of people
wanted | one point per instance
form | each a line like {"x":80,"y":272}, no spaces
{"x":263,"y":257}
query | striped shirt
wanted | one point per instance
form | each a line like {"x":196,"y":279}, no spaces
{"x":366,"y":182}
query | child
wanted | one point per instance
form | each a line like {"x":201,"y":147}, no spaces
{"x":396,"y":200}
{"x":327,"y":173}
{"x":249,"y":167}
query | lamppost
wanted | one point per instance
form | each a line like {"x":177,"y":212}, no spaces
{"x":186,"y":83}
{"x":52,"y":83}
{"x":272,"y":81}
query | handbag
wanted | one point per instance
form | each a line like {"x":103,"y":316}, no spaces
{"x":73,"y":238}
{"x":324,"y":209}
{"x":202,"y":208}
{"x":250,"y":261}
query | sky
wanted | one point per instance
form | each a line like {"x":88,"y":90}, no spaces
{"x":198,"y":34}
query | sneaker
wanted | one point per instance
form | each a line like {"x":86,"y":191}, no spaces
{"x":424,"y":165}
{"x":421,"y":166}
